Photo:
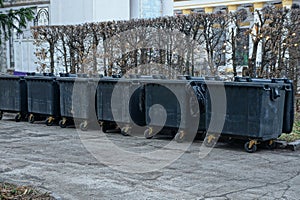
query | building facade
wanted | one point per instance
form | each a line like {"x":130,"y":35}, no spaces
{"x":183,"y":7}
{"x":188,"y":6}
{"x":18,"y":53}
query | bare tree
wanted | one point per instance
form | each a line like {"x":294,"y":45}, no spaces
{"x":235,"y":37}
{"x":214,"y":28}
{"x":50,"y":35}
{"x":171,"y":44}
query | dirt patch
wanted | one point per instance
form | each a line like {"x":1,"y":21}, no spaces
{"x":12,"y":192}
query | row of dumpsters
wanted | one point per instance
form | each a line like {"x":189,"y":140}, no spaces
{"x":256,"y":111}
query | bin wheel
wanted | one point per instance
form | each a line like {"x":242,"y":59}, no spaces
{"x":1,"y":115}
{"x":83,"y":126}
{"x":179,"y":137}
{"x":62,"y":123}
{"x":209,"y":141}
{"x":148,"y":133}
{"x":49,"y":121}
{"x":250,"y":147}
{"x":31,"y":118}
{"x":18,"y":117}
{"x":126,"y":131}
{"x":271,"y":145}
{"x":104,"y":127}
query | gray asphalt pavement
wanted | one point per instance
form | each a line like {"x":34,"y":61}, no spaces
{"x":57,"y":160}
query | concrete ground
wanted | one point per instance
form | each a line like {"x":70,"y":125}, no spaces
{"x":57,"y":160}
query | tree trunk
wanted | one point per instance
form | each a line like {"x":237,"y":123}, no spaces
{"x":64,"y":52}
{"x":52,"y":67}
{"x":72,"y":60}
{"x":95,"y":46}
{"x":252,"y":60}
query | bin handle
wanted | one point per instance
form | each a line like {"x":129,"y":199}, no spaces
{"x":135,"y":82}
{"x":274,"y":94}
{"x":240,"y":79}
{"x":288,"y":88}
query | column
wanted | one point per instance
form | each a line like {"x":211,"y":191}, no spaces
{"x":186,"y":11}
{"x":287,"y":3}
{"x":209,"y":9}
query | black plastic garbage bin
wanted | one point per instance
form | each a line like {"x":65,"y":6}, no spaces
{"x":288,"y":118}
{"x":13,"y":96}
{"x":289,"y":107}
{"x":120,"y":104}
{"x":254,"y":111}
{"x":77,"y":101}
{"x":43,"y":98}
{"x":179,"y":100}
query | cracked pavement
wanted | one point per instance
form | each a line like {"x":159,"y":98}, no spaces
{"x":54,"y":159}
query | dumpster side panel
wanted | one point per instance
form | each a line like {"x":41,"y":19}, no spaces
{"x":288,"y":116}
{"x":99,"y":102}
{"x":137,"y":105}
{"x":13,"y":92}
{"x":241,"y":117}
{"x":119,"y":110}
{"x":10,"y":95}
{"x":127,"y":104}
{"x":76,"y":97}
{"x":24,"y":100}
{"x":272,"y":115}
{"x":106,"y":91}
{"x":82,"y":101}
{"x":43,"y":97}
{"x":162,"y":95}
{"x":251,"y":111}
{"x":66,"y":90}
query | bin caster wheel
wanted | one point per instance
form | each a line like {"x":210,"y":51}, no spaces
{"x":18,"y":117}
{"x":104,"y":127}
{"x":179,"y":137}
{"x":148,"y":133}
{"x":271,"y":145}
{"x":209,"y":141}
{"x":31,"y":119}
{"x":126,"y":131}
{"x":83,"y":126}
{"x":49,"y":121}
{"x":1,"y":115}
{"x":250,"y":146}
{"x":62,"y":123}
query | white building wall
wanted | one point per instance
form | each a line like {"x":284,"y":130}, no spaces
{"x":7,"y":49}
{"x":150,"y":8}
{"x":70,"y":11}
{"x":82,"y":11}
{"x":109,"y":10}
{"x":168,"y":7}
{"x":24,"y":55}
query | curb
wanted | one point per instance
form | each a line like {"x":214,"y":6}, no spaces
{"x":288,"y":145}
{"x":294,"y":145}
